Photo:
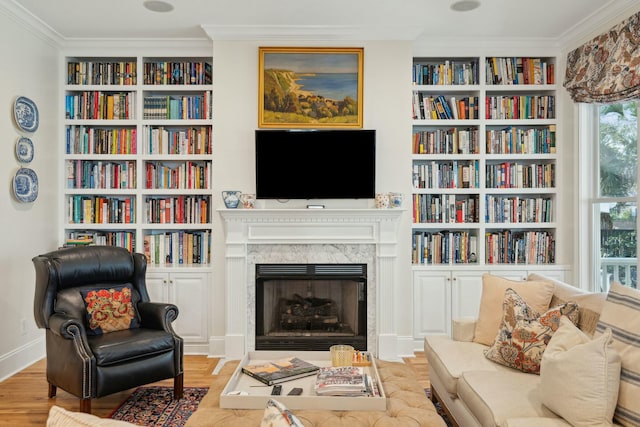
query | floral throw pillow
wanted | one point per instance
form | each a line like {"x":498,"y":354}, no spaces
{"x":109,"y":310}
{"x":524,"y":333}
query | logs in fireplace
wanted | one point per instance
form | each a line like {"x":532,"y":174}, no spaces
{"x":310,"y":306}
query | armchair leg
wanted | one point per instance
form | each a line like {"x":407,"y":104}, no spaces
{"x":178,"y":387}
{"x":52,"y":390}
{"x":85,"y":405}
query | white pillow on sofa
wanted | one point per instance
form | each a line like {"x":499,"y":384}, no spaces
{"x":579,"y":377}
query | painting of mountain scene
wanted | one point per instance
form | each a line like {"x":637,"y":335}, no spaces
{"x":311,"y":87}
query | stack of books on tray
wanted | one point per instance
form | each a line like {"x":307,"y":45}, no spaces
{"x":345,"y":381}
{"x":278,"y":371}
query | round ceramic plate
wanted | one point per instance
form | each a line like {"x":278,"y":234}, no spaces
{"x":26,"y":114}
{"x":24,"y":150}
{"x":25,"y":185}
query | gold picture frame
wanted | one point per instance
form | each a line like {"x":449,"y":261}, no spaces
{"x":310,"y":87}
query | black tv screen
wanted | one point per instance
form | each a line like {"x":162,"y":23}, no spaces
{"x":315,"y":164}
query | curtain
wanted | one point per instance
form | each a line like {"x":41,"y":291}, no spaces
{"x":607,"y":68}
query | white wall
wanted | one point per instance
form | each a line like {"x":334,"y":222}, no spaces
{"x":28,"y":229}
{"x":387,"y":109}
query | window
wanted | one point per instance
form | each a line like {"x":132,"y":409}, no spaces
{"x":612,"y":193}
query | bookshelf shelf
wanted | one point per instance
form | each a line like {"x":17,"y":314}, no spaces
{"x":115,"y":136}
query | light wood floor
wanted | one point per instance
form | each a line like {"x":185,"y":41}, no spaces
{"x":24,"y":401}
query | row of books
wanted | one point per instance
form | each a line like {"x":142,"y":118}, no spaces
{"x":446,"y":174}
{"x":444,"y":247}
{"x":177,"y":107}
{"x":519,"y":175}
{"x":178,"y":248}
{"x":164,"y":140}
{"x":177,"y":73}
{"x":514,"y":140}
{"x":187,"y":175}
{"x":447,"y":141}
{"x":447,"y":72}
{"x":519,"y":71}
{"x":441,"y":108}
{"x":177,"y":210}
{"x":97,"y":105}
{"x":521,"y":107}
{"x":517,"y":209}
{"x":101,"y":174}
{"x":101,"y":210}
{"x":102,"y":72}
{"x":445,"y":208}
{"x":82,"y":139}
{"x":520,"y":247}
{"x":123,"y":239}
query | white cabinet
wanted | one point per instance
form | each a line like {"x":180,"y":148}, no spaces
{"x":189,"y":292}
{"x":439,"y":296}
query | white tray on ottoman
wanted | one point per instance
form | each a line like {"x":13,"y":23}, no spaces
{"x":257,"y":393}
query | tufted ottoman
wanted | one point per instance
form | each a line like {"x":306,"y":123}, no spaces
{"x":407,"y":405}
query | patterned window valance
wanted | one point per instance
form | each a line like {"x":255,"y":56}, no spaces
{"x":607,"y":68}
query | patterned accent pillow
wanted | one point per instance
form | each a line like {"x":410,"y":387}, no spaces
{"x":109,"y":310}
{"x":277,"y":415}
{"x":524,"y":334}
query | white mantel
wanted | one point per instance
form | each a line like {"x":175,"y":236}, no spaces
{"x":247,"y":227}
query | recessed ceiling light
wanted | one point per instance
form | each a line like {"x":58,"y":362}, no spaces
{"x":158,"y":6}
{"x":465,"y":5}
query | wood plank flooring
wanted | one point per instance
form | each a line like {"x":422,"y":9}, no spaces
{"x":24,"y":401}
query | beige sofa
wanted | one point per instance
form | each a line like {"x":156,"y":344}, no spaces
{"x":478,"y":392}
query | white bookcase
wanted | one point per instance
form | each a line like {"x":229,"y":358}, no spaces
{"x":484,"y":179}
{"x":137,"y":155}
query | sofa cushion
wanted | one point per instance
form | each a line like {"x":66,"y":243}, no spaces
{"x":448,"y":359}
{"x":536,"y":422}
{"x":590,"y":303}
{"x":621,"y":314}
{"x":579,"y":377}
{"x":496,"y":396}
{"x":536,"y":293}
{"x":524,"y":334}
{"x":109,"y":310}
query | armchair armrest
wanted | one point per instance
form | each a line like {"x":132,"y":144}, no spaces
{"x":155,"y":315}
{"x":66,"y":326}
{"x":464,"y":329}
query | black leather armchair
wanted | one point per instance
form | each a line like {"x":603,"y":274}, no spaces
{"x":90,"y":366}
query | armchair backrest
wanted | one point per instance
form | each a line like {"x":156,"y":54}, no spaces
{"x":84,"y":267}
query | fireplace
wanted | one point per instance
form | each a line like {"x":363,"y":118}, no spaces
{"x":310,"y":306}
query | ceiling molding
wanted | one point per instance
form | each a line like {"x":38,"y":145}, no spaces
{"x":311,"y":32}
{"x":610,"y":14}
{"x":31,"y":23}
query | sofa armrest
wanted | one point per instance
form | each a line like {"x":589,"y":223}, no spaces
{"x":464,"y":329}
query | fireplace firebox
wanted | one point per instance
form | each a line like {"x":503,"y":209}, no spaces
{"x":310,"y":307}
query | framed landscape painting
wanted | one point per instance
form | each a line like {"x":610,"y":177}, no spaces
{"x":310,"y":87}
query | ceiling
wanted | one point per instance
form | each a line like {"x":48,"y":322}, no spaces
{"x":366,"y":19}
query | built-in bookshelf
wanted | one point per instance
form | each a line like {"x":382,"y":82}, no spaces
{"x":484,"y":161}
{"x":138,"y":156}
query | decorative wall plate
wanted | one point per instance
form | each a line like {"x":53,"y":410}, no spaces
{"x":24,"y":150}
{"x":25,"y":112}
{"x":25,"y":185}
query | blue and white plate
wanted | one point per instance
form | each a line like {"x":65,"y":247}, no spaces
{"x":26,"y":114}
{"x":25,"y":185}
{"x":24,"y":150}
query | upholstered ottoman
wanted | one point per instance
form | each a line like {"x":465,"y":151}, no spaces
{"x":407,"y":405}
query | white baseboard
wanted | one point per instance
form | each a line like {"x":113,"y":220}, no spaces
{"x":18,"y":359}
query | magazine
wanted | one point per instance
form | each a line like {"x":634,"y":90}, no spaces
{"x":343,"y":381}
{"x":278,"y":371}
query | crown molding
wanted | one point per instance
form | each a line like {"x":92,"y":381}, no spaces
{"x":311,"y":32}
{"x":31,"y":23}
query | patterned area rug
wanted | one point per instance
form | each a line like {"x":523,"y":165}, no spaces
{"x":438,"y":408}
{"x":155,"y":407}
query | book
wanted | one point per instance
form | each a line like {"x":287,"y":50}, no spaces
{"x":343,"y":381}
{"x":278,"y":371}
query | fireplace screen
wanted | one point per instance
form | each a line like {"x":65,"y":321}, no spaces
{"x":310,"y":306}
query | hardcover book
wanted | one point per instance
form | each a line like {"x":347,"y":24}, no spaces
{"x":281,"y":370}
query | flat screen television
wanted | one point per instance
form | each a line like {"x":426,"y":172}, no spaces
{"x":315,"y":164}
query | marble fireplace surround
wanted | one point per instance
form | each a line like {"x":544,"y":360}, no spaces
{"x":365,"y":236}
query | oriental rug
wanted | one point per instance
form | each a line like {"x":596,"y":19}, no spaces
{"x":155,"y":407}
{"x":439,"y":409}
